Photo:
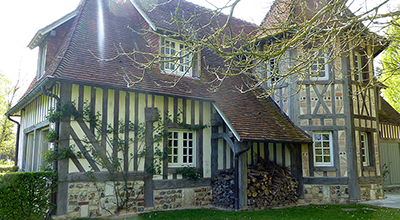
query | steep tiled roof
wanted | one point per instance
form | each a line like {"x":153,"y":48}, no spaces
{"x":255,"y":118}
{"x":387,"y":114}
{"x":88,"y":55}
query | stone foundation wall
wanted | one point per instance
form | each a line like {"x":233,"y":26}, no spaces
{"x":89,"y":199}
{"x":98,"y":199}
{"x":322,"y":194}
{"x":371,"y":192}
{"x":178,"y":198}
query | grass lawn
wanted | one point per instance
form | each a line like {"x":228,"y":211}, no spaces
{"x":315,"y":212}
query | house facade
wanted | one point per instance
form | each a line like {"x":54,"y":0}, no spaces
{"x":336,"y":102}
{"x":83,"y":61}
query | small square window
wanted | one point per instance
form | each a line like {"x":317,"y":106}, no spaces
{"x":319,"y":69}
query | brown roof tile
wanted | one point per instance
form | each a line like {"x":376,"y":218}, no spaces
{"x":387,"y":114}
{"x":88,"y":40}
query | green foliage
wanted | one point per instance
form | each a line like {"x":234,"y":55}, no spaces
{"x":64,"y":110}
{"x":390,"y":74}
{"x":190,"y":173}
{"x":25,"y":195}
{"x":385,"y":170}
{"x":5,"y":169}
{"x":52,"y":155}
{"x":52,"y":136}
{"x":7,"y":136}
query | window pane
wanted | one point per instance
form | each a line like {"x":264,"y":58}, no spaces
{"x":317,"y":137}
{"x":184,"y":143}
{"x":327,"y":151}
{"x":327,"y":159}
{"x":325,"y":136}
{"x":184,"y":151}
{"x":190,"y":143}
{"x":317,"y":144}
{"x":318,"y":152}
{"x":326,"y":144}
{"x":190,"y":135}
{"x":318,"y":158}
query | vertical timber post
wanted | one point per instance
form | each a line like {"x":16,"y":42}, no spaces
{"x":151,"y":116}
{"x":62,"y":186}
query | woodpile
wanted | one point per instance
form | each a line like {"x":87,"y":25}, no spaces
{"x":268,"y":184}
{"x":224,"y":189}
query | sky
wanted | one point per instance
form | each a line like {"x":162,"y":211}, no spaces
{"x":20,"y":20}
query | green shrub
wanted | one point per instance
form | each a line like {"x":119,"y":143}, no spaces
{"x":25,"y":195}
{"x":5,"y":169}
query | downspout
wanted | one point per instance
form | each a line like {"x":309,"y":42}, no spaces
{"x":55,"y":162}
{"x":237,"y":154}
{"x":17,"y":141}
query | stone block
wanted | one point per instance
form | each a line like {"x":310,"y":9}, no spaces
{"x":85,"y":211}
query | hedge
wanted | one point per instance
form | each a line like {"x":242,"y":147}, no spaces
{"x":25,"y":195}
{"x":5,"y":169}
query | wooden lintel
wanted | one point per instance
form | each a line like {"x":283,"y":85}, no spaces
{"x":102,"y":176}
{"x":222,"y":135}
{"x":181,"y":183}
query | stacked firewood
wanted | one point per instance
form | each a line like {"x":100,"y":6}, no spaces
{"x":223,"y":189}
{"x":269,"y":184}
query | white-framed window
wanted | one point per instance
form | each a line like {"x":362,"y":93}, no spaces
{"x":181,"y":148}
{"x":176,"y":58}
{"x":358,"y":76}
{"x":41,"y":60}
{"x":323,"y":155}
{"x":364,"y":148}
{"x":270,"y":71}
{"x":273,"y":73}
{"x":319,"y":69}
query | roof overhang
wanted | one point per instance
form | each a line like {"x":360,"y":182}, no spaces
{"x":32,"y":94}
{"x":42,"y":33}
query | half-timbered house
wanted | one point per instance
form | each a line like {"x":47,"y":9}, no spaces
{"x":336,"y":103}
{"x":79,"y":63}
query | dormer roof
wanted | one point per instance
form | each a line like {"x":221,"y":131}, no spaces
{"x":42,"y":33}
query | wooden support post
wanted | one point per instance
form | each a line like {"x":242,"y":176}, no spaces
{"x":151,"y":116}
{"x":64,"y":126}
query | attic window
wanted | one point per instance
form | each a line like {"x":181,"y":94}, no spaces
{"x":319,"y":69}
{"x":41,"y":60}
{"x":177,"y":60}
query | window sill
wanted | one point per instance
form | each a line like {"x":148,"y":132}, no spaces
{"x":369,"y":168}
{"x":325,"y":168}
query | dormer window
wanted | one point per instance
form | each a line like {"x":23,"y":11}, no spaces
{"x":177,"y":60}
{"x":41,"y":60}
{"x":269,"y":71}
{"x":274,"y":79}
